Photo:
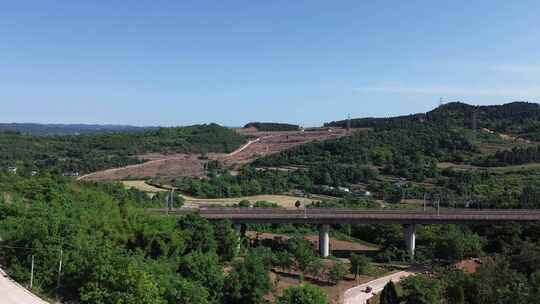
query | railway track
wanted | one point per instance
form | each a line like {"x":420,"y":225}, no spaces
{"x":339,"y":216}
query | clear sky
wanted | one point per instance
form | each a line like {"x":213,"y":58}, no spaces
{"x":306,"y":62}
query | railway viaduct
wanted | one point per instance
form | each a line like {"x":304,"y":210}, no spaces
{"x":327,"y":217}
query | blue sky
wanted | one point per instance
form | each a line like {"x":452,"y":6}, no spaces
{"x":306,"y":62}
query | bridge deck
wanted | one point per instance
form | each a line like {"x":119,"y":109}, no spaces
{"x":341,"y":216}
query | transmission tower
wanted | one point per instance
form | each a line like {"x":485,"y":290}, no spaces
{"x":474,"y":119}
{"x":474,"y":122}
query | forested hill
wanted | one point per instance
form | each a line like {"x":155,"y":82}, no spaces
{"x":272,"y":126}
{"x":372,"y":122}
{"x":519,"y":118}
{"x":68,"y":129}
{"x":423,"y":149}
{"x":91,"y":152}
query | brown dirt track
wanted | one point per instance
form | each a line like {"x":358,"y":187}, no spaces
{"x":167,"y":167}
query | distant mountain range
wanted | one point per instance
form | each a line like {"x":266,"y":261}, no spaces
{"x":68,"y":129}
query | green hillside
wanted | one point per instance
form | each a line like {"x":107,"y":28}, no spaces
{"x":519,"y":118}
{"x":87,"y":153}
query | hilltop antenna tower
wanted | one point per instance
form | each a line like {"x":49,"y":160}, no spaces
{"x":441,"y":101}
{"x":348,"y":123}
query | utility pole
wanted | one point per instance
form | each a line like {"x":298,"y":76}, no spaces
{"x":171,"y":199}
{"x":474,"y":122}
{"x":167,"y":198}
{"x":474,"y":119}
{"x":59,"y":269}
{"x":32,"y":273}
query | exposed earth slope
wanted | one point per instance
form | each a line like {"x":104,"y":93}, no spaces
{"x":167,"y":167}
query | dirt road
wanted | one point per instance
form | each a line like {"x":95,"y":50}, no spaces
{"x":357,"y":295}
{"x":242,"y":148}
{"x":13,"y":293}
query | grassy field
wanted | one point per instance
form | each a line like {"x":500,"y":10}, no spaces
{"x":285,"y":201}
{"x":142,"y":185}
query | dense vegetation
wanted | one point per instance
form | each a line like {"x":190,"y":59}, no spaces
{"x":507,"y":271}
{"x":87,"y":153}
{"x":497,"y":280}
{"x":516,"y":156}
{"x":410,"y":152}
{"x":398,"y":158}
{"x":519,"y":118}
{"x":272,"y":126}
{"x":250,"y":181}
{"x":113,"y":252}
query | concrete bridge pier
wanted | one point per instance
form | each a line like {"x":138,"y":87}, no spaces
{"x":240,"y":230}
{"x":410,"y":239}
{"x":324,"y":240}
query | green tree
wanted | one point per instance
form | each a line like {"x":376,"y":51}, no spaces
{"x":248,"y":281}
{"x":158,"y":237}
{"x":130,"y":286}
{"x":393,"y":194}
{"x":206,"y":270}
{"x":359,"y":264}
{"x":283,"y":260}
{"x":227,"y":240}
{"x":199,"y":233}
{"x":244,"y":204}
{"x":303,"y":294}
{"x":511,"y":286}
{"x":530,"y":196}
{"x":265,"y":204}
{"x":389,"y":294}
{"x":303,"y":252}
{"x":265,"y":254}
{"x":189,"y":292}
{"x":421,"y":289}
{"x":455,"y":244}
{"x":337,"y":272}
{"x":314,"y":268}
{"x":455,"y":295}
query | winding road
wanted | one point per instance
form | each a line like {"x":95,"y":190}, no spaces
{"x":12,"y":292}
{"x":358,"y":294}
{"x":245,"y":146}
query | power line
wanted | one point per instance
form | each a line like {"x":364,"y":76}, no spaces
{"x":40,"y":248}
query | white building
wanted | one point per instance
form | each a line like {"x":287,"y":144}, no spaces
{"x":71,"y":174}
{"x":344,"y":189}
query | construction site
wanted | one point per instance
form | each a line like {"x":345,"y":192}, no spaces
{"x":166,"y":167}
